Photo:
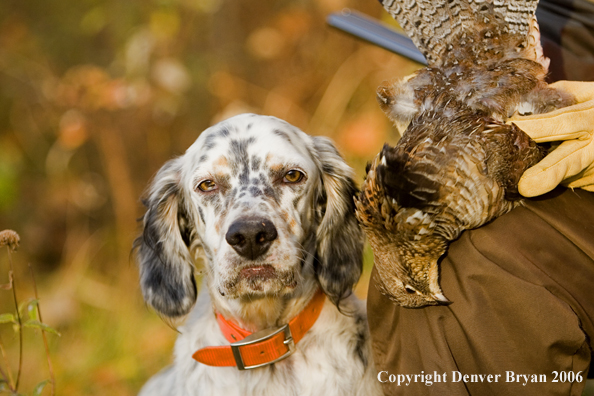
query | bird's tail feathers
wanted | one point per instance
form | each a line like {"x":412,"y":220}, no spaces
{"x":433,"y":24}
{"x":533,"y":46}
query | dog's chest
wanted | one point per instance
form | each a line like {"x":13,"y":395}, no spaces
{"x":320,"y":373}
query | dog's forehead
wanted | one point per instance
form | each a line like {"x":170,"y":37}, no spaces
{"x":249,"y":137}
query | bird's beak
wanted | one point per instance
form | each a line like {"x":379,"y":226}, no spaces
{"x":441,"y":298}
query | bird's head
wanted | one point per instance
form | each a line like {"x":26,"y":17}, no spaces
{"x":408,"y":270}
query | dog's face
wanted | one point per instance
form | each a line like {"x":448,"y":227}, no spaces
{"x":260,"y":199}
{"x":254,"y":186}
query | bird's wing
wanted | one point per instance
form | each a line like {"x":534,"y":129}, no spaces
{"x":510,"y":152}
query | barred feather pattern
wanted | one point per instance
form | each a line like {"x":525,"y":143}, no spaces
{"x":458,"y":163}
{"x":450,"y":172}
{"x":433,"y":24}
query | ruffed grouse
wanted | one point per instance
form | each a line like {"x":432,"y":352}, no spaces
{"x":457,"y":165}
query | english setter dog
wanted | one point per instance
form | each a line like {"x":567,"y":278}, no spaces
{"x":269,"y":212}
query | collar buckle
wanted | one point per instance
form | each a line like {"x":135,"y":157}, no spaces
{"x":261,"y":336}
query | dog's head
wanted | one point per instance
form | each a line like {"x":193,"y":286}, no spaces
{"x":263,"y":202}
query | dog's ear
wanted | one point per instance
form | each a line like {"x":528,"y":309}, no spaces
{"x":166,"y":264}
{"x":339,"y":238}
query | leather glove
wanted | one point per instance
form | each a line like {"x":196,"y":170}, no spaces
{"x":572,"y":162}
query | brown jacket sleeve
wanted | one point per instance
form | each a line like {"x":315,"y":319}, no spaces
{"x":522,"y":289}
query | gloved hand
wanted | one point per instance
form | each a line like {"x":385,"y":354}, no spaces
{"x":572,"y":162}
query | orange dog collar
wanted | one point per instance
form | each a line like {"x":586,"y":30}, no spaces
{"x":252,"y":350}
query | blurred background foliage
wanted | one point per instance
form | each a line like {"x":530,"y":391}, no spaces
{"x":95,"y":95}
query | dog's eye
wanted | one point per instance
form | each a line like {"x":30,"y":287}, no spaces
{"x":293,"y":176}
{"x":207,"y":185}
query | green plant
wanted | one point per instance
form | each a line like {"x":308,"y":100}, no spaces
{"x":27,"y":315}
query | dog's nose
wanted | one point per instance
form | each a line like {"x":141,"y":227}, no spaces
{"x":251,"y":238}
